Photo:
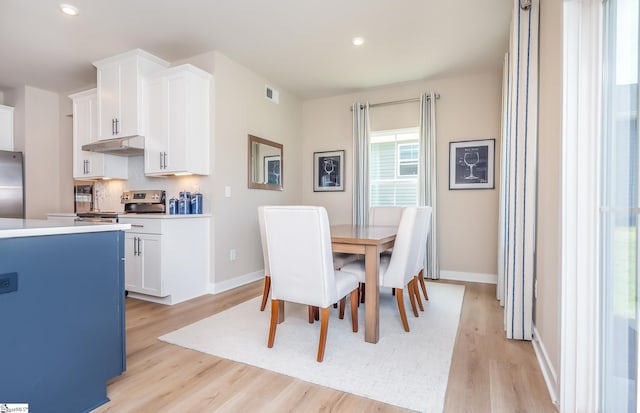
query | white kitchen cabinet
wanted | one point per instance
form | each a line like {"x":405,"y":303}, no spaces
{"x":92,"y":165}
{"x":6,"y":128}
{"x":177,"y":139}
{"x":121,"y":92}
{"x":166,"y":257}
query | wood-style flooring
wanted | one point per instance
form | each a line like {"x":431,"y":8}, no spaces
{"x":488,"y":373}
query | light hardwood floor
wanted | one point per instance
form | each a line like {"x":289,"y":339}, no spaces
{"x":488,"y":373}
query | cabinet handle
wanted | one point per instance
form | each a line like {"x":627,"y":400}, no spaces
{"x":166,"y":162}
{"x":88,"y":166}
{"x":161,"y":160}
{"x":135,"y":245}
{"x":117,"y":126}
{"x":139,"y":246}
{"x":113,"y":126}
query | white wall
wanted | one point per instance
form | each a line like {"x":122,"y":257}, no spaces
{"x":548,"y":251}
{"x":468,"y":109}
{"x":45,"y":139}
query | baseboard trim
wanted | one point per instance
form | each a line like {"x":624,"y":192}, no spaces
{"x":473,"y":277}
{"x":220,"y":287}
{"x":548,"y":372}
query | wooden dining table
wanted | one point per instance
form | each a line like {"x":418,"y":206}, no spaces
{"x":369,"y":241}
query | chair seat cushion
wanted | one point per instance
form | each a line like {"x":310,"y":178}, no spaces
{"x":345,"y":282}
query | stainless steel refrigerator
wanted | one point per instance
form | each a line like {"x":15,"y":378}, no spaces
{"x":11,"y":185}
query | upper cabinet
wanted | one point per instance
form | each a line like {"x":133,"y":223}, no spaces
{"x":6,"y":128}
{"x":91,"y":165}
{"x":177,"y":119}
{"x":121,"y":92}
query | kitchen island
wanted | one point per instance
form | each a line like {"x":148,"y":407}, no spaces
{"x":62,"y":310}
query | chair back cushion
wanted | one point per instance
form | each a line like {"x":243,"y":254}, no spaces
{"x":421,"y":245}
{"x":263,"y":239}
{"x":385,"y":215}
{"x":299,"y":250}
{"x":405,"y":252}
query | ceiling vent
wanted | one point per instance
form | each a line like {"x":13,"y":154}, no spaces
{"x":271,"y":94}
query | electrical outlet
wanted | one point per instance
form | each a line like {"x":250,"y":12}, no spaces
{"x":232,"y":254}
{"x":8,"y":282}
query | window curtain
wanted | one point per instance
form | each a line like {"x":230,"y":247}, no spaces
{"x":427,"y":179}
{"x":518,"y":193}
{"x":360,"y":163}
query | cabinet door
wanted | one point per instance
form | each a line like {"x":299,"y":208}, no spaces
{"x":151,"y":262}
{"x":6,"y":128}
{"x":109,"y":99}
{"x":132,"y":270}
{"x":85,"y":164}
{"x":156,"y":145}
{"x":129,"y":94}
{"x":178,"y":139}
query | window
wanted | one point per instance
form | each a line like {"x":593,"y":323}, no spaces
{"x":393,"y":168}
{"x":620,"y":206}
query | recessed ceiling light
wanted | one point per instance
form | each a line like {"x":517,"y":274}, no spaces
{"x":358,"y":41}
{"x":69,"y":9}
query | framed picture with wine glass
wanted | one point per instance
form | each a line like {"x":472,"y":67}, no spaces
{"x":471,"y":164}
{"x":328,"y":171}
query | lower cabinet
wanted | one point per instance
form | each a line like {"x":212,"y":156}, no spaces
{"x":143,"y":272}
{"x":166,"y":257}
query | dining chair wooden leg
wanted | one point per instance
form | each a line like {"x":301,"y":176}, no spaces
{"x":423,"y":285}
{"x":265,"y":293}
{"x":354,"y":310}
{"x":335,"y":305}
{"x":316,"y":313}
{"x":324,"y":325}
{"x":312,"y":314}
{"x":412,"y":296}
{"x":343,"y":301}
{"x":362,"y":289}
{"x":274,"y":322}
{"x":416,"y":292}
{"x":403,"y":313}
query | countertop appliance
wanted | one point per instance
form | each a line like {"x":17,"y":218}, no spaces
{"x":11,"y":185}
{"x":83,"y":194}
{"x":144,"y":201}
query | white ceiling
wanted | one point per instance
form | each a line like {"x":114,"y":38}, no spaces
{"x":303,"y":46}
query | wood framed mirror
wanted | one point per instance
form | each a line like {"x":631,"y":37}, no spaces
{"x":265,"y":164}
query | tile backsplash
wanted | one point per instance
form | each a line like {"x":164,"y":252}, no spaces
{"x":108,"y":192}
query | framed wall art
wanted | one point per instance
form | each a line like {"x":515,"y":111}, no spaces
{"x":328,"y":171}
{"x":471,"y":164}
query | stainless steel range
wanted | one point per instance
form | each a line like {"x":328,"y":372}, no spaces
{"x":144,"y":201}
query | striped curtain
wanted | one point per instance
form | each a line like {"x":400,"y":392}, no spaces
{"x":360,"y":163}
{"x":519,"y":157}
{"x":428,"y":181}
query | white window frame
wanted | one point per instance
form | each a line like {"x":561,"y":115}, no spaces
{"x":580,"y":295}
{"x":411,"y":161}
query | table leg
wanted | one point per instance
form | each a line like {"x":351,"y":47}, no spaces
{"x":372,"y":294}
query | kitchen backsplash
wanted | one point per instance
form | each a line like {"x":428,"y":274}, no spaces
{"x":108,"y":192}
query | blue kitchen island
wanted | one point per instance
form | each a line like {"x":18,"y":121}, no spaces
{"x":62,"y":327}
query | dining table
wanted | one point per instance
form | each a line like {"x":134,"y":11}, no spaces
{"x":369,"y":241}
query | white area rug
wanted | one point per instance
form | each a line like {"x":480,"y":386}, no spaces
{"x":409,"y":370}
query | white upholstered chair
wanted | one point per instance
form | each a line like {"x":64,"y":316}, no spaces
{"x":398,"y":271}
{"x":421,"y":245}
{"x":301,"y":265}
{"x":265,"y":257}
{"x":385,"y":215}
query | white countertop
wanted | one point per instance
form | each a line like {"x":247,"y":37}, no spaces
{"x":13,"y":228}
{"x":163,"y":216}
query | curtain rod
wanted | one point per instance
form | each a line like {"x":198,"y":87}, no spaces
{"x":396,"y":102}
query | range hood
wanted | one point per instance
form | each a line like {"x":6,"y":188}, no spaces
{"x":125,"y":146}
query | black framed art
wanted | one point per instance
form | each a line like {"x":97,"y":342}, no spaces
{"x":471,"y":164}
{"x":328,"y":171}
